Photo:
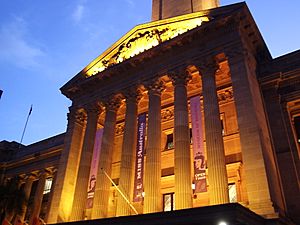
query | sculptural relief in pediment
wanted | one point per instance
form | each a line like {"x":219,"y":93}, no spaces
{"x":142,"y":38}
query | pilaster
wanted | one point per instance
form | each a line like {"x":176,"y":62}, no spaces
{"x":62,"y":200}
{"x":257,"y":186}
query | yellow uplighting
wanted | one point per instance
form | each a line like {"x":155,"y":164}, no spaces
{"x":142,"y":38}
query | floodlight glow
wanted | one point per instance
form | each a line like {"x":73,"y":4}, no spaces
{"x":222,"y":223}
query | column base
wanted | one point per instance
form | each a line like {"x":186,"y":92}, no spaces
{"x":264,"y":208}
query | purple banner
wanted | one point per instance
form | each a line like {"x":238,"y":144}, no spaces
{"x":139,"y":162}
{"x":198,"y":146}
{"x":94,"y":169}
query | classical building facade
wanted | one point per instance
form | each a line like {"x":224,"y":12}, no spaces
{"x":189,"y":110}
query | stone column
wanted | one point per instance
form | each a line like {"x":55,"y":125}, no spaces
{"x":102,"y":190}
{"x":128,"y":153}
{"x":27,"y":189}
{"x":249,"y":112}
{"x":153,"y":199}
{"x":80,"y":195}
{"x":62,"y":200}
{"x":217,"y":174}
{"x":38,"y":198}
{"x":183,"y":176}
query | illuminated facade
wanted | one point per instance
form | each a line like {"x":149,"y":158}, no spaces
{"x":189,"y":110}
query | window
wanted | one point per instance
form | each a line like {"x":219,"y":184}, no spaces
{"x":232,"y":193}
{"x":170,"y":143}
{"x":297,"y":127}
{"x":222,"y":125}
{"x":222,"y":119}
{"x":169,"y":202}
{"x":48,"y":184}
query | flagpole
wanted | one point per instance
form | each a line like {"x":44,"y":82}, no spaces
{"x":118,"y":189}
{"x":25,"y":126}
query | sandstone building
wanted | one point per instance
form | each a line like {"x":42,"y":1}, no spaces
{"x":189,"y":110}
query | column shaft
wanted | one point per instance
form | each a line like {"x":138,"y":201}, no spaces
{"x":102,"y":190}
{"x":183,"y":177}
{"x":152,"y":202}
{"x":27,"y":190}
{"x":217,"y":174}
{"x":127,"y":158}
{"x":80,"y":195}
{"x":38,"y":199}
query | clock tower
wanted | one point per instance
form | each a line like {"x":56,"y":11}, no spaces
{"x":162,"y":9}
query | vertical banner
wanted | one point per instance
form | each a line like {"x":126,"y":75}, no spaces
{"x":198,"y":146}
{"x":139,"y":161}
{"x":94,"y":169}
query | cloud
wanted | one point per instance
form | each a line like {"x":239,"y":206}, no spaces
{"x":130,"y":2}
{"x":16,"y":47}
{"x":78,"y":13}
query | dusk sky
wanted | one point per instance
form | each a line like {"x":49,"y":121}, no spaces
{"x":43,"y":44}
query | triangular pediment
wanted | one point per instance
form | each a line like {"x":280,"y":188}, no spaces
{"x":144,"y":37}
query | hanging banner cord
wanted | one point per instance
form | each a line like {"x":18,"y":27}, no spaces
{"x":118,"y":189}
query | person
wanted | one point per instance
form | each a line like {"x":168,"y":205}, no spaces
{"x":199,"y":170}
{"x":199,"y":162}
{"x":92,"y":184}
{"x":91,"y":191}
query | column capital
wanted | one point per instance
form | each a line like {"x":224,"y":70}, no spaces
{"x":30,"y":176}
{"x":93,"y":108}
{"x":76,"y":115}
{"x":133,"y":94}
{"x":208,"y":66}
{"x":51,"y":171}
{"x":42,"y":173}
{"x":237,"y":54}
{"x":155,"y":86}
{"x":112,"y":103}
{"x":179,"y":77}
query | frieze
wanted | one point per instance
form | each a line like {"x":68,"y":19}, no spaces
{"x":167,"y":114}
{"x":225,"y":96}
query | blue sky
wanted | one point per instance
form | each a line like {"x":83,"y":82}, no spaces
{"x":43,"y":44}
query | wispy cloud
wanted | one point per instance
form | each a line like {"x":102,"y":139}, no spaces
{"x":130,"y":2}
{"x":78,"y":13}
{"x":16,"y":47}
